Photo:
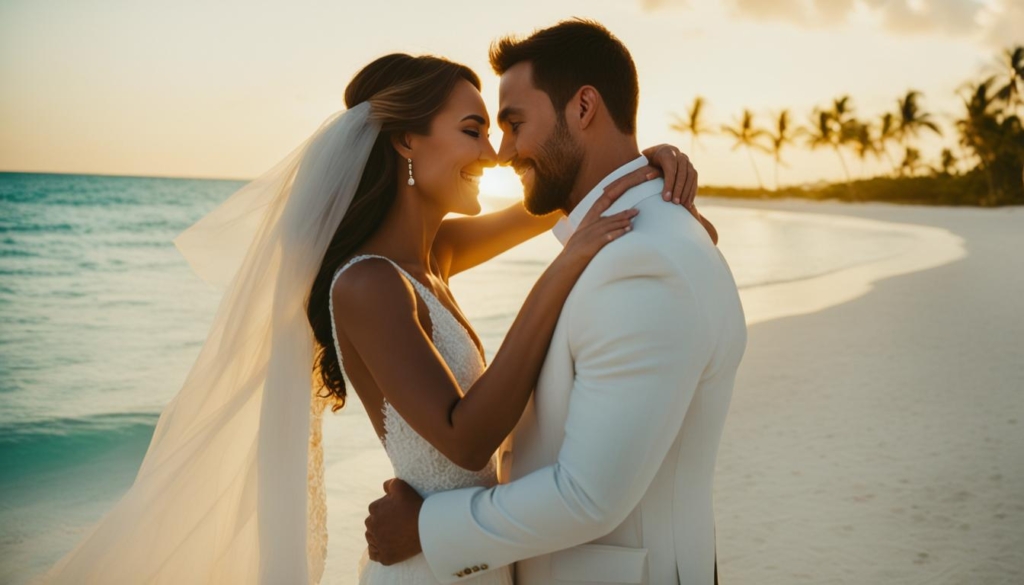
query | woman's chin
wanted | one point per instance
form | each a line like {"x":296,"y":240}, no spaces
{"x":471,"y":208}
{"x":469,"y":202}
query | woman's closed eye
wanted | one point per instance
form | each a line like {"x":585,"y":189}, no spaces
{"x":475,"y":132}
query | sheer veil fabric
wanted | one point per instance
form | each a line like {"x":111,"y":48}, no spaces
{"x":231,"y":487}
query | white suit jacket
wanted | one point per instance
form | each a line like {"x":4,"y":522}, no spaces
{"x":610,"y":478}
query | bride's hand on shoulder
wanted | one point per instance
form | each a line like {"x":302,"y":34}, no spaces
{"x":596,"y":232}
{"x":666,"y":161}
{"x":680,"y":181}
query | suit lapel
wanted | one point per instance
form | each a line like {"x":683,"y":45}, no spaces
{"x":550,"y":403}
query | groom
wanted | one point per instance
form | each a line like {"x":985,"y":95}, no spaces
{"x":610,"y":480}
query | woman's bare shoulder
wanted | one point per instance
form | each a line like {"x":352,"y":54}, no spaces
{"x":372,"y":287}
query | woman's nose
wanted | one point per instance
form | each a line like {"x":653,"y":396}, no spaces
{"x":488,"y":157}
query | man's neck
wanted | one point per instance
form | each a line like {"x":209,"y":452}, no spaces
{"x":598,"y":163}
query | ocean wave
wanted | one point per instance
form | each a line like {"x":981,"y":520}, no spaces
{"x":18,"y":253}
{"x":36,"y":446}
{"x":25,"y":226}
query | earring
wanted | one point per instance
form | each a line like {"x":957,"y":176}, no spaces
{"x":412,"y":181}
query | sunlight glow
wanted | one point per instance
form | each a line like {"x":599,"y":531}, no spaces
{"x":501,"y":183}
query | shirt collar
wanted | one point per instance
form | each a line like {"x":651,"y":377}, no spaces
{"x":568,"y":224}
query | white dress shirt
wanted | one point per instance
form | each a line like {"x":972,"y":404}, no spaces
{"x":568,"y":224}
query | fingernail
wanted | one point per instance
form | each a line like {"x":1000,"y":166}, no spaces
{"x":651,"y":175}
{"x":667,"y":195}
{"x":629,"y":228}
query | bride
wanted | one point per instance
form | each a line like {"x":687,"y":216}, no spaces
{"x":337,"y":260}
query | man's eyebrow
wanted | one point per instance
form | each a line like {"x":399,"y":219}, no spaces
{"x":478,"y":119}
{"x":504,"y":114}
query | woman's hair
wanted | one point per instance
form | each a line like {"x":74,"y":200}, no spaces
{"x":405,"y":93}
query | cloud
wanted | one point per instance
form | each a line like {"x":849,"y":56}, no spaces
{"x":806,"y":12}
{"x":950,"y":17}
{"x":833,"y":11}
{"x":954,"y":17}
{"x":652,"y":5}
{"x":1007,"y":27}
{"x":792,"y":10}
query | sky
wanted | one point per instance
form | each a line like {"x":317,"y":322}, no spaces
{"x":225,"y":89}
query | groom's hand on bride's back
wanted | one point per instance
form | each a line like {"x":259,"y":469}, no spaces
{"x":392,"y":528}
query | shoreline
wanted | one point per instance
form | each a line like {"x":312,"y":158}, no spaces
{"x":932,"y":247}
{"x":785,"y":511}
{"x":877,"y":439}
{"x":738,"y":546}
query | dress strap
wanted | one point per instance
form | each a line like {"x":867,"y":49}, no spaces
{"x":428,"y":296}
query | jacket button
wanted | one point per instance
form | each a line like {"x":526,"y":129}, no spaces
{"x":483,"y":567}
{"x":467,"y":570}
{"x":476,"y":568}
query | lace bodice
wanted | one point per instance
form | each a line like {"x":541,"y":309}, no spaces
{"x":415,"y":460}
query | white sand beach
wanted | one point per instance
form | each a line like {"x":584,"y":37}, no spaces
{"x":876,"y":433}
{"x":882,"y":440}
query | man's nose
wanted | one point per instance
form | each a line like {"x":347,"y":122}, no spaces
{"x":506,"y":151}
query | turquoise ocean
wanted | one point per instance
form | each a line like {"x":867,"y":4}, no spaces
{"x":101,"y":319}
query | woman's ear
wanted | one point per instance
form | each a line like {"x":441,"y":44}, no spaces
{"x":402,"y":144}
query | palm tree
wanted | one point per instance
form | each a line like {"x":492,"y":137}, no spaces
{"x":864,"y":142}
{"x":996,"y":137}
{"x":747,"y":134}
{"x":1012,"y":64}
{"x":782,"y":136}
{"x":976,"y":130}
{"x":694,"y":123}
{"x":844,"y":127}
{"x":887,"y":134}
{"x":825,"y":132}
{"x":947,"y":162}
{"x":912,"y":119}
{"x":842,"y":111}
{"x":911,"y":161}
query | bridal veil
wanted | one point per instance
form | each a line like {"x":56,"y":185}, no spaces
{"x":231,"y":487}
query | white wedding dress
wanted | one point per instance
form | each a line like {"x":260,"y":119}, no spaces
{"x":415,"y":460}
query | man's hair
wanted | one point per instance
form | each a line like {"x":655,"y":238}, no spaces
{"x":571,"y":54}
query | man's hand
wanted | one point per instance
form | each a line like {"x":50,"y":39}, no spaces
{"x":392,"y":528}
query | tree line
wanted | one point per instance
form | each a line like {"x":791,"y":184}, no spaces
{"x":983,"y":166}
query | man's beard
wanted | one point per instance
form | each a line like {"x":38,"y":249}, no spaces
{"x":554,"y":172}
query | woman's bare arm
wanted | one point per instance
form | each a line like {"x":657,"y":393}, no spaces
{"x":465,"y":242}
{"x":376,"y":308}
